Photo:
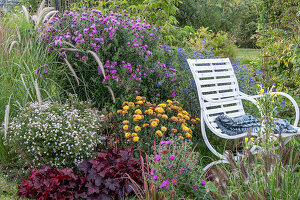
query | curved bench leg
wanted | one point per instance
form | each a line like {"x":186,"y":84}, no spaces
{"x":214,"y":163}
{"x":213,"y":150}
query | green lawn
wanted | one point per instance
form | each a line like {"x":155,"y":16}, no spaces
{"x":8,"y":189}
{"x":246,"y":54}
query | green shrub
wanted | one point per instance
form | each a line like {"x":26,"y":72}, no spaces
{"x":133,"y":61}
{"x":60,"y":135}
{"x":221,"y":44}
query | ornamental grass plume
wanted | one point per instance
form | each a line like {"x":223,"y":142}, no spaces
{"x":271,"y":174}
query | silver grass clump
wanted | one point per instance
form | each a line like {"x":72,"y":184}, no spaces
{"x":43,"y":13}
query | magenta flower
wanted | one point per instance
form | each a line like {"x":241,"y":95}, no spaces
{"x":154,"y":177}
{"x":203,"y":183}
{"x":170,"y":166}
{"x":45,"y":71}
{"x":152,"y":171}
{"x":195,"y":187}
{"x":172,"y":157}
{"x":83,"y":58}
{"x":157,"y":158}
{"x":165,"y":183}
{"x":174,"y":180}
{"x":181,"y":170}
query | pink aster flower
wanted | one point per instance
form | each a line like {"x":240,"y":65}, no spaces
{"x":203,"y":183}
{"x":157,"y":158}
{"x":172,"y":157}
{"x":174,"y":180}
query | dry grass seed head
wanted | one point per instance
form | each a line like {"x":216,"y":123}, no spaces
{"x":232,"y":163}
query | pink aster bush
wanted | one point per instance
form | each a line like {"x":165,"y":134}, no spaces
{"x":133,"y":60}
{"x":175,"y":170}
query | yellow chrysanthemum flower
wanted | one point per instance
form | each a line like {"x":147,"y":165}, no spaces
{"x":133,"y":134}
{"x":145,"y":125}
{"x":131,"y":104}
{"x":139,"y":102}
{"x":125,"y":122}
{"x":246,"y":139}
{"x":126,"y":108}
{"x":138,"y":111}
{"x":139,"y":98}
{"x":186,"y":117}
{"x":127,"y":135}
{"x":180,"y":115}
{"x":163,"y":105}
{"x":158,"y":133}
{"x":154,"y":124}
{"x":252,"y":139}
{"x":149,"y":111}
{"x":159,"y":110}
{"x":185,"y":128}
{"x":174,"y":130}
{"x":125,"y":127}
{"x":188,"y":135}
{"x":169,"y":101}
{"x":124,"y":112}
{"x":163,"y":128}
{"x":164,"y":116}
{"x":136,"y":139}
{"x":124,"y":103}
{"x":119,"y":111}
{"x":173,"y":118}
{"x":137,"y":129}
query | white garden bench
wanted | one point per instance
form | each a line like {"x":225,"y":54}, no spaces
{"x":218,"y":92}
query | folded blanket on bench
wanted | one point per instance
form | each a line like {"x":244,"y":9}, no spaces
{"x":239,"y":125}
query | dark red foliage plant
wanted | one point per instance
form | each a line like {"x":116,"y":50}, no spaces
{"x":107,"y":175}
{"x":47,"y":183}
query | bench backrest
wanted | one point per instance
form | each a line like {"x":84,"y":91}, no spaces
{"x":215,"y":80}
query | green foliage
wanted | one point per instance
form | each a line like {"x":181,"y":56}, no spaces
{"x":20,"y":55}
{"x":175,"y":170}
{"x":31,"y":4}
{"x":236,"y":17}
{"x":221,"y":44}
{"x":269,"y":175}
{"x":60,"y":135}
{"x":8,"y":188}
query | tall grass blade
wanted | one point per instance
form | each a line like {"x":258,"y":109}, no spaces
{"x":26,"y":87}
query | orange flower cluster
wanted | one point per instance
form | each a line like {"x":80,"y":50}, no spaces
{"x":142,"y":119}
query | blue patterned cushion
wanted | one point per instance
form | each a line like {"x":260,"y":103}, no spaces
{"x":239,"y":125}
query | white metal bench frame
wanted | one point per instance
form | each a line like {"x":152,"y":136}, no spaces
{"x":218,"y":92}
